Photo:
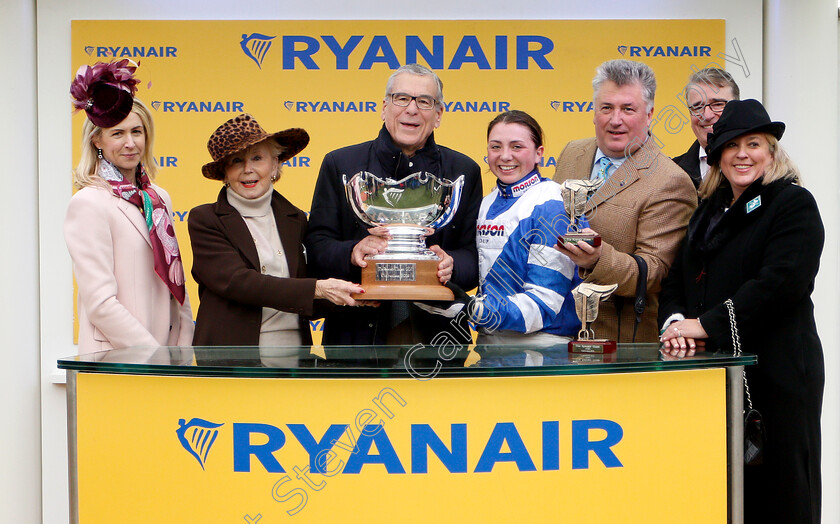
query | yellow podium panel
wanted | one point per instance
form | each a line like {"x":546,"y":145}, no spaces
{"x":635,"y":447}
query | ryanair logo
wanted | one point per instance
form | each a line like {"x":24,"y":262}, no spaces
{"x":131,"y":51}
{"x":572,"y":106}
{"x":313,"y":52}
{"x":328,"y":106}
{"x":197,"y":437}
{"x":642,"y":51}
{"x":256,"y":46}
{"x":192,"y":106}
{"x":393,"y":195}
{"x":477,"y":106}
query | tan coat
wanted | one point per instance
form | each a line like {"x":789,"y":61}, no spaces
{"x":122,"y":301}
{"x":643,"y":209}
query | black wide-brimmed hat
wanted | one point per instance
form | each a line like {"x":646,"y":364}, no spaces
{"x":241,"y":132}
{"x":740,"y":117}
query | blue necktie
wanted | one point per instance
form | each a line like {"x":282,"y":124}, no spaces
{"x":605,"y":168}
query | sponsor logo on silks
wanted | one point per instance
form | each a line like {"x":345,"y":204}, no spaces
{"x":572,"y":106}
{"x":197,"y":437}
{"x":203,"y":106}
{"x":327,"y":106}
{"x":477,"y":106}
{"x":256,"y":46}
{"x":131,"y":51}
{"x":520,"y":188}
{"x":490,"y":230}
{"x":754,"y":204}
{"x":665,"y":50}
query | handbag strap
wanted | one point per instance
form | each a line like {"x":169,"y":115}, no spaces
{"x":639,"y":302}
{"x":736,"y":344}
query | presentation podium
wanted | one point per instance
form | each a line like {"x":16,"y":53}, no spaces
{"x":404,"y":434}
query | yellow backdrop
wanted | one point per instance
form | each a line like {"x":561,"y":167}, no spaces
{"x":329,"y":78}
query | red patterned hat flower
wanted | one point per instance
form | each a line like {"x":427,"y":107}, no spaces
{"x":105,"y":91}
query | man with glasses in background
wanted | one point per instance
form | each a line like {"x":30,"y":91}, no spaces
{"x":337,"y":242}
{"x":706,"y":94}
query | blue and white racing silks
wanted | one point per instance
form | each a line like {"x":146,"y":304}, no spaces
{"x":525,"y":283}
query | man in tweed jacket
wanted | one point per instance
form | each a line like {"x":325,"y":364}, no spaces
{"x":643,"y":206}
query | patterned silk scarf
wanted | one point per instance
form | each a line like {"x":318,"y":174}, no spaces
{"x":158,"y":220}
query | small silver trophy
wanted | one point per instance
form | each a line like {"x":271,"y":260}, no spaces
{"x":587,"y":298}
{"x":407,"y":270}
{"x":575,"y":195}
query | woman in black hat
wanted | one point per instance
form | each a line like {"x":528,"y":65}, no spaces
{"x":747,"y":267}
{"x":248,"y":257}
{"x":119,"y":224}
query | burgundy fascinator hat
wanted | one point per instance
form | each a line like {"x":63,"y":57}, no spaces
{"x":105,"y":91}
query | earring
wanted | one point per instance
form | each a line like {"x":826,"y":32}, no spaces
{"x":227,"y":184}
{"x":273,"y":178}
{"x":98,"y":153}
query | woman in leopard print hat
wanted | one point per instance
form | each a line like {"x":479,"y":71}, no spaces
{"x":248,"y":256}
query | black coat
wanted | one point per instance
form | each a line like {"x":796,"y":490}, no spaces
{"x":690,"y":163}
{"x":764,"y":254}
{"x":334,"y":230}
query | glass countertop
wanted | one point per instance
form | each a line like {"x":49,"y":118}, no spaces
{"x":421,"y":362}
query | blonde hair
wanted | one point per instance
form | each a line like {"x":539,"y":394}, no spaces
{"x":85,"y":173}
{"x":275,"y":150}
{"x":782,"y":167}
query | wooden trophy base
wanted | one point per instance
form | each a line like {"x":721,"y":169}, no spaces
{"x":595,"y":346}
{"x":402,"y":279}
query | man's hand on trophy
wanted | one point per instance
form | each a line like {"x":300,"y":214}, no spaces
{"x":582,"y":254}
{"x":446,"y":265}
{"x":370,"y":245}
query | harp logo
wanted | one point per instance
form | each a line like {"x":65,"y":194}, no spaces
{"x":256,"y":46}
{"x":197,"y":437}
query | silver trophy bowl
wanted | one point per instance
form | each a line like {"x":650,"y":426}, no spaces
{"x":406,"y":207}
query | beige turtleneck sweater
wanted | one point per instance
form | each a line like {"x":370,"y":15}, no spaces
{"x":277,"y":328}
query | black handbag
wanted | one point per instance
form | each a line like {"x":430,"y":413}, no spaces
{"x":754,"y":435}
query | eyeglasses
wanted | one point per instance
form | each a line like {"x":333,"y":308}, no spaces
{"x":699,"y":108}
{"x":423,"y":102}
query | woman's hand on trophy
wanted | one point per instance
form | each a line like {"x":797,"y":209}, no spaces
{"x":339,"y":291}
{"x":446,"y":265}
{"x":370,"y":245}
{"x":581,"y":253}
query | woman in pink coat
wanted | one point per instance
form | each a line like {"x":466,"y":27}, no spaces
{"x":119,"y":224}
